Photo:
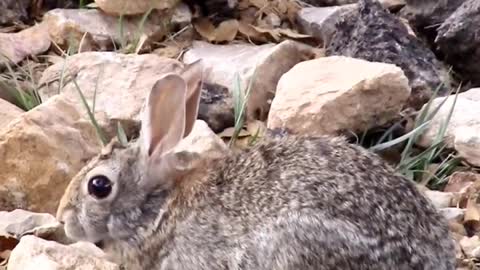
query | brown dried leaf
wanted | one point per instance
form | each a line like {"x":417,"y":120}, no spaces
{"x":228,"y":133}
{"x":205,"y":28}
{"x":226,"y":31}
{"x":292,"y":34}
{"x":472,"y":215}
{"x":256,"y":128}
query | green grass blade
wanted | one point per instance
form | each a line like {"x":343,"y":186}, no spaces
{"x":121,"y":135}
{"x":98,"y":129}
{"x":400,"y":139}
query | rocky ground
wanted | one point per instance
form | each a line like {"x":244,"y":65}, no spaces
{"x":396,"y":76}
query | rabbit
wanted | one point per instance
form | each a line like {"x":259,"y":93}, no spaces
{"x":288,"y":202}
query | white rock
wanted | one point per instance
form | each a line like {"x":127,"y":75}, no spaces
{"x":270,"y":61}
{"x":131,"y":7}
{"x":202,"y":141}
{"x":31,"y":41}
{"x":33,"y":253}
{"x":453,"y":213}
{"x":463,"y":130}
{"x":471,"y":246}
{"x":18,"y":222}
{"x":8,"y":112}
{"x":334,"y":94}
{"x":440,"y":199}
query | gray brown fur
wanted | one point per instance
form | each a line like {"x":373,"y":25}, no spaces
{"x":289,"y":203}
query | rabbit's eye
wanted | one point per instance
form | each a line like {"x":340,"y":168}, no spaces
{"x":99,"y":186}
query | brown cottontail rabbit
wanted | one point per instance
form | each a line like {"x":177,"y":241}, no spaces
{"x":287,"y":203}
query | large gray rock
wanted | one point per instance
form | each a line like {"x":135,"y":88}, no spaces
{"x":322,"y":22}
{"x":458,"y":39}
{"x":429,"y":13}
{"x":379,"y":36}
{"x":326,"y":3}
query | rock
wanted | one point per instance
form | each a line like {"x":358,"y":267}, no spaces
{"x":428,"y":13}
{"x":67,"y":27}
{"x":129,"y":7}
{"x":13,"y":11}
{"x":462,"y":133}
{"x":322,"y":22}
{"x":122,"y":82}
{"x":269,"y":60}
{"x":440,"y":199}
{"x":41,"y":151}
{"x":460,"y":181}
{"x":17,"y":223}
{"x":325,"y":3}
{"x":8,"y":112}
{"x":471,"y":246}
{"x":336,"y":94}
{"x":202,"y":141}
{"x":33,"y":253}
{"x":393,"y":4}
{"x":216,"y":107}
{"x":377,"y":35}
{"x":17,"y":46}
{"x":453,"y":213}
{"x":458,"y":39}
{"x":182,"y":16}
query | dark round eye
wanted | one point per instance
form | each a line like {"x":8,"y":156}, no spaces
{"x":99,"y":186}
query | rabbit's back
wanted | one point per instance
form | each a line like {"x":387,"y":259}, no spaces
{"x":295,"y":203}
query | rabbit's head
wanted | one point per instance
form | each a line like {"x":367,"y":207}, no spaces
{"x":121,"y":191}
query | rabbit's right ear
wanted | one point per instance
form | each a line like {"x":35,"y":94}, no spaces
{"x":163,"y":123}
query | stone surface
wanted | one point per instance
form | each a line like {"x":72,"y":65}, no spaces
{"x":129,"y":7}
{"x":453,"y":214}
{"x":13,"y":11}
{"x":428,"y":13}
{"x":463,"y":130}
{"x":325,"y":3}
{"x":40,"y":153}
{"x":269,"y":61}
{"x":471,"y":246}
{"x":122,"y":82}
{"x":202,"y":141}
{"x":68,"y":26}
{"x":31,"y":41}
{"x":379,"y":36}
{"x":458,"y":39}
{"x":335,"y":94}
{"x":393,"y":4}
{"x":8,"y":112}
{"x":322,"y":22}
{"x":34,"y":253}
{"x":440,"y":199}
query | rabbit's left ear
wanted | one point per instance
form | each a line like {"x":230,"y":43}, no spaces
{"x":163,"y":123}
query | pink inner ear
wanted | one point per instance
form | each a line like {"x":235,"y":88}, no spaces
{"x":163,"y":124}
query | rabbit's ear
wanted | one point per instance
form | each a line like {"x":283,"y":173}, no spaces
{"x":163,"y":123}
{"x":192,"y":74}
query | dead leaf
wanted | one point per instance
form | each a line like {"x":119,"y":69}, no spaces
{"x":256,"y":128}
{"x":472,"y":215}
{"x":228,"y":133}
{"x":226,"y":30}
